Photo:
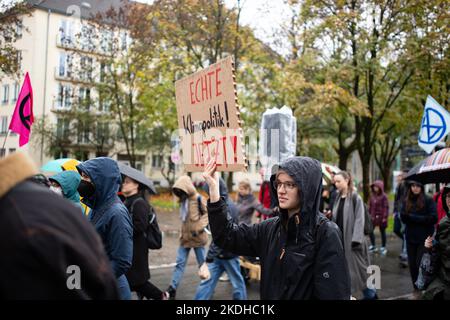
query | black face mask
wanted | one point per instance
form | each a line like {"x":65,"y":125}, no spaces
{"x":86,"y":189}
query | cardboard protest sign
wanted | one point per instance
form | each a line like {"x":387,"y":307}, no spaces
{"x":209,"y":119}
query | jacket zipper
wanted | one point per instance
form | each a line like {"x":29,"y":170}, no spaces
{"x":297,"y":222}
{"x":282,"y":253}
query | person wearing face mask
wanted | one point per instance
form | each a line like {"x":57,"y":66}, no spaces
{"x":100,"y":182}
{"x":42,"y":237}
{"x":66,"y":184}
{"x":301,"y":251}
{"x":419,"y":215}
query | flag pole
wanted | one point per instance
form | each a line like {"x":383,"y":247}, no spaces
{"x":4,"y":141}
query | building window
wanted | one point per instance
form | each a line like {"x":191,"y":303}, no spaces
{"x":66,"y":36}
{"x":16,"y":92}
{"x":104,"y":104}
{"x":124,"y":41}
{"x":62,"y":128}
{"x":19,"y":59}
{"x":19,"y":28}
{"x":65,"y":65}
{"x":2,"y":152}
{"x":5,"y":91}
{"x":12,"y":150}
{"x":106,"y":41}
{"x":86,"y":66}
{"x":4,"y":125}
{"x":102,"y":132}
{"x":83,"y":132}
{"x":64,"y":96}
{"x":157,"y":161}
{"x":87,"y":38}
{"x":84,"y":98}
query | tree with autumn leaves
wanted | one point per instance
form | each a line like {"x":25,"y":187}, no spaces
{"x":356,"y":75}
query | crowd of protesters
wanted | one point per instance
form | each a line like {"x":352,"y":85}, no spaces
{"x":310,"y":241}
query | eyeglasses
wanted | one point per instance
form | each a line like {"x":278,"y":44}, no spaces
{"x":287,"y":185}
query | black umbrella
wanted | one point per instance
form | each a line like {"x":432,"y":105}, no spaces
{"x":138,"y":176}
{"x":434,"y":169}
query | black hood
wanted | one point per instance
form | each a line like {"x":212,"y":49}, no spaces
{"x":307,"y":174}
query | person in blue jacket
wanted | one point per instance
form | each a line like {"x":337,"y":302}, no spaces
{"x":66,"y":183}
{"x":100,"y":182}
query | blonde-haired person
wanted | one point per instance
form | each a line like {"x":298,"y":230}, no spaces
{"x":247,"y":204}
{"x":348,"y":214}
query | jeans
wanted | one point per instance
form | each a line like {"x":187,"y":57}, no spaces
{"x":232,"y":266}
{"x":370,"y":294}
{"x":124,"y":288}
{"x":182,"y":257}
{"x":383,"y":237}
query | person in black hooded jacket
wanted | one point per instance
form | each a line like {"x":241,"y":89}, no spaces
{"x":301,"y":251}
{"x":419,"y":214}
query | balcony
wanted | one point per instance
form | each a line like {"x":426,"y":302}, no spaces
{"x":63,"y":74}
{"x":74,"y":43}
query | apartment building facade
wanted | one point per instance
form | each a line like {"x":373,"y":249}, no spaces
{"x":63,"y":59}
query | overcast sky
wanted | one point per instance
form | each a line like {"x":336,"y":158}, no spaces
{"x":264,"y":16}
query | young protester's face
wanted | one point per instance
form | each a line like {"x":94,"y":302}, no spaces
{"x":287,"y":191}
{"x":375,"y":189}
{"x":86,"y":187}
{"x":416,"y":188}
{"x":129,"y":186}
{"x":341,"y":183}
{"x":243,"y":190}
{"x":447,"y":199}
{"x":55,"y":187}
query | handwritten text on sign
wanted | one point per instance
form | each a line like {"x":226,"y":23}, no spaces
{"x":208,"y":118}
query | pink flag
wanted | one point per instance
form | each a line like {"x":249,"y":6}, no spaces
{"x":22,"y":118}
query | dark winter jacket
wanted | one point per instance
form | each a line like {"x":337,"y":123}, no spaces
{"x":109,"y":215}
{"x":247,"y":205}
{"x":139,"y":209}
{"x":400,"y":195}
{"x":42,"y":237}
{"x":214,"y":250}
{"x":439,"y":288}
{"x":379,"y":206}
{"x":302,"y":257}
{"x":69,"y":182}
{"x":419,"y":223}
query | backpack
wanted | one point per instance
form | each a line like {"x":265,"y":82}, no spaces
{"x":368,"y":226}
{"x":153,"y":235}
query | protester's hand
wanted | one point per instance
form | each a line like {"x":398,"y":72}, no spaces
{"x":328,"y":214}
{"x":429,"y":242}
{"x":212,"y":179}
